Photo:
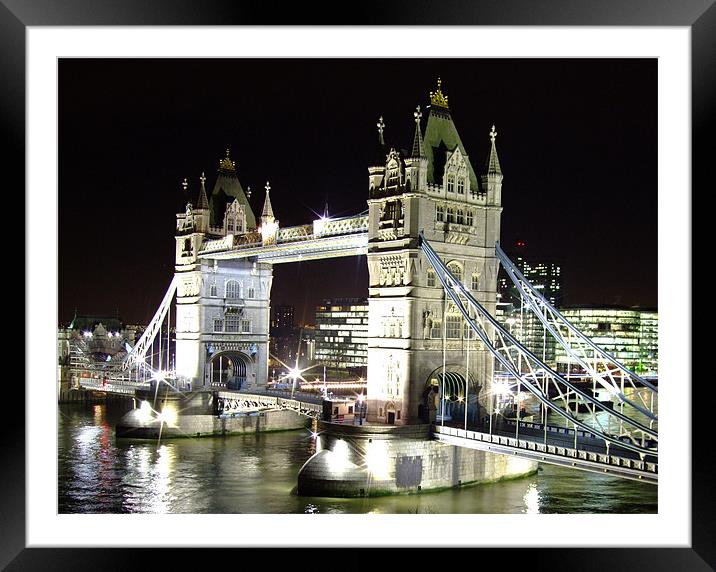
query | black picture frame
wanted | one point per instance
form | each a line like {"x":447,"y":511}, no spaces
{"x":17,"y":15}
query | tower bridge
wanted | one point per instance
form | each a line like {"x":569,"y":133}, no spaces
{"x":431,"y":236}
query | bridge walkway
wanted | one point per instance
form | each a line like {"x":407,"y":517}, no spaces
{"x":558,"y":449}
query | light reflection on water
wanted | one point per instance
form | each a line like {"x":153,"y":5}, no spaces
{"x":257,"y":473}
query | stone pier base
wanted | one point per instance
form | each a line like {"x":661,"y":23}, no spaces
{"x":194,"y":417}
{"x":355,"y":461}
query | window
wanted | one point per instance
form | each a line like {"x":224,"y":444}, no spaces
{"x":252,"y":292}
{"x":461,"y":186}
{"x":218,"y":325}
{"x":245,"y":327}
{"x":187,"y":245}
{"x":451,"y":214}
{"x":437,"y":330}
{"x":453,"y":327}
{"x":232,"y":323}
{"x":393,"y":210}
{"x":468,"y":218}
{"x":456,"y":271}
{"x":451,"y":184}
{"x":475,"y":281}
{"x":460,"y":217}
{"x":431,"y":279}
{"x":212,"y":291}
{"x":439,"y":213}
{"x":233,"y":289}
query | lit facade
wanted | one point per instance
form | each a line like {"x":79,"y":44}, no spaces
{"x":341,"y":334}
{"x":546,"y":276}
{"x":631,"y":335}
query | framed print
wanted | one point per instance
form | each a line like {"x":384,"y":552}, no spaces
{"x":437,"y":383}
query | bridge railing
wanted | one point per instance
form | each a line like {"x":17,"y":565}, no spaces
{"x":547,"y":449}
{"x":533,"y":375}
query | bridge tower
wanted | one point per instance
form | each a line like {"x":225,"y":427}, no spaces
{"x":222,"y":321}
{"x":412,"y":330}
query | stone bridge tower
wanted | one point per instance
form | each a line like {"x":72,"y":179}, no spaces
{"x":223,"y":305}
{"x":433,"y":188}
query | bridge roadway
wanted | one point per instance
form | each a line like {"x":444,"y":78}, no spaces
{"x":557,"y":448}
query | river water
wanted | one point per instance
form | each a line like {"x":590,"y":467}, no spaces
{"x":257,"y":473}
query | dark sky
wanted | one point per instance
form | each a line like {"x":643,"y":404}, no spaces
{"x":577,"y":141}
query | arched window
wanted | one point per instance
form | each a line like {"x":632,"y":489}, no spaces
{"x":456,"y":270}
{"x":469,"y":218}
{"x":431,"y":278}
{"x":460,"y":216}
{"x":451,"y":214}
{"x":475,"y":281}
{"x":461,"y":185}
{"x":451,"y":183}
{"x":233,"y":290}
{"x":453,"y":326}
{"x":439,"y":213}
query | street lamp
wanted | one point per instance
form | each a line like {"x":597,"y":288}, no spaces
{"x":361,"y":408}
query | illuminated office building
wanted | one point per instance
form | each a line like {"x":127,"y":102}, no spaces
{"x":341,"y":334}
{"x":631,"y":335}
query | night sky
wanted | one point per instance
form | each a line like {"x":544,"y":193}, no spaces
{"x":577,"y":141}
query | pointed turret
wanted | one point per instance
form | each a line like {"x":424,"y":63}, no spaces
{"x":492,"y":167}
{"x":267,"y":213}
{"x":418,"y":150}
{"x":202,"y":202}
{"x":492,"y":179}
{"x":269,"y":225}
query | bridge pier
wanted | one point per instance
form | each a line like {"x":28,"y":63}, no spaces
{"x":173,"y":415}
{"x":374,"y":460}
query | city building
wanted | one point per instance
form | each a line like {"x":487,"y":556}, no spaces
{"x":546,"y":276}
{"x":282,"y":318}
{"x":631,"y":335}
{"x":341,"y":334}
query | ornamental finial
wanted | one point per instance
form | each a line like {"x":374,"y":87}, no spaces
{"x":381,"y":125}
{"x":493,"y":134}
{"x":417,"y":114}
{"x":202,"y":178}
{"x":185,"y":184}
{"x":439,"y":98}
{"x":226,"y":164}
{"x":267,"y":187}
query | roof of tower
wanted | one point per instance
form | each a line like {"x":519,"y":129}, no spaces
{"x":268,"y":209}
{"x":440,"y":137}
{"x":202,"y":202}
{"x":493,"y":162}
{"x":227,"y":189}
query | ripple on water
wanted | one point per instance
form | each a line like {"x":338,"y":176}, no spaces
{"x":257,"y":474}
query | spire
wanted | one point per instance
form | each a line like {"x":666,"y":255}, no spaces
{"x":493,"y":163}
{"x":268,"y":210}
{"x":202,"y":202}
{"x":418,"y":139}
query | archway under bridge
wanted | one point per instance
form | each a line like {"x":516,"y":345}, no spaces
{"x":230,"y":369}
{"x":447,"y":396}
